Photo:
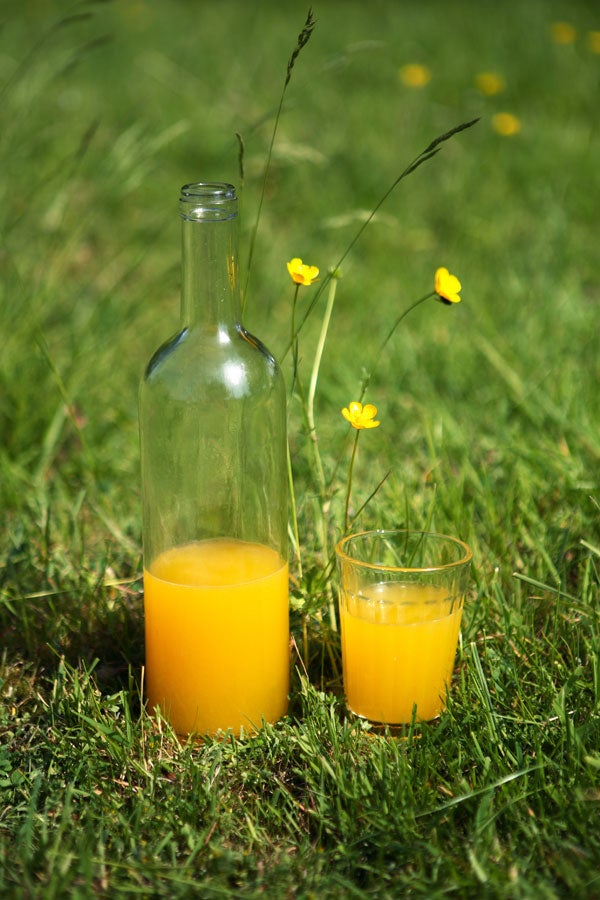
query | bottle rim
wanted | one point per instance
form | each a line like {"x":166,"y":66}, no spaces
{"x":208,"y":201}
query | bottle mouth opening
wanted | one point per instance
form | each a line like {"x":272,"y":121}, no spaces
{"x":208,"y":202}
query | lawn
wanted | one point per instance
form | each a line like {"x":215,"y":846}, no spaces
{"x":490,"y":431}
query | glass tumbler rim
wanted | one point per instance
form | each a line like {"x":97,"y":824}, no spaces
{"x":344,"y":556}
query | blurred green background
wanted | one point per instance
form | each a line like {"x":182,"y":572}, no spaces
{"x":108,"y":108}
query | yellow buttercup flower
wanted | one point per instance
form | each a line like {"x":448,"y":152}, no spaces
{"x":489,"y":83}
{"x":563,"y":33}
{"x":593,"y":41}
{"x":506,"y":124}
{"x":447,"y":286}
{"x":415,"y":75}
{"x":301,"y":273}
{"x":361,"y":416}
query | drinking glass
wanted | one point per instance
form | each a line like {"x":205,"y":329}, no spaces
{"x":401,"y":599}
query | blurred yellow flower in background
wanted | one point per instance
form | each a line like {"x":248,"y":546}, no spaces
{"x":489,"y":83}
{"x":360,"y":416}
{"x":301,"y":273}
{"x":506,"y":124}
{"x":414,"y":75}
{"x":563,"y":33}
{"x":593,"y":41}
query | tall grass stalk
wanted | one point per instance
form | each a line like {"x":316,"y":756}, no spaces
{"x":301,"y":42}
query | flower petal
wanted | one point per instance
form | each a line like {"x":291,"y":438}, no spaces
{"x":301,"y":273}
{"x":361,"y":416}
{"x":369,"y":411}
{"x":447,"y":286}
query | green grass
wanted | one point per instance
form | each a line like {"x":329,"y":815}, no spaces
{"x":490,"y":430}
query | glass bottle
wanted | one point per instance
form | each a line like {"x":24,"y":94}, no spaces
{"x":214,"y":486}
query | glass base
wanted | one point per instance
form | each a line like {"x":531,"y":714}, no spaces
{"x":403,"y":730}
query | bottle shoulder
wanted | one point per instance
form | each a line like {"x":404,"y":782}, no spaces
{"x":222,"y":361}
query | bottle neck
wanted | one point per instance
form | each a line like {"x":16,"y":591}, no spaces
{"x":210,"y":289}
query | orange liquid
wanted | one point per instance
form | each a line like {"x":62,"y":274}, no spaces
{"x":398,"y":648}
{"x":217,"y":636}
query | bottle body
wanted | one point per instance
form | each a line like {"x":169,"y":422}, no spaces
{"x":214,"y":480}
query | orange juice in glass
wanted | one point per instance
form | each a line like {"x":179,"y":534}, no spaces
{"x":217,"y":636}
{"x":401,"y":601}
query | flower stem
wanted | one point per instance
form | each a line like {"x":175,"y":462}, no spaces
{"x":349,"y":489}
{"x":386,"y":341}
{"x":294,"y":339}
{"x":295,"y":533}
{"x":314,"y":377}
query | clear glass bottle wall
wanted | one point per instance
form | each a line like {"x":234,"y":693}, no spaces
{"x":214,"y":485}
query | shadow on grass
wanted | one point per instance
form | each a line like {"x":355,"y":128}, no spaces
{"x":77,"y":617}
{"x":90,"y":622}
